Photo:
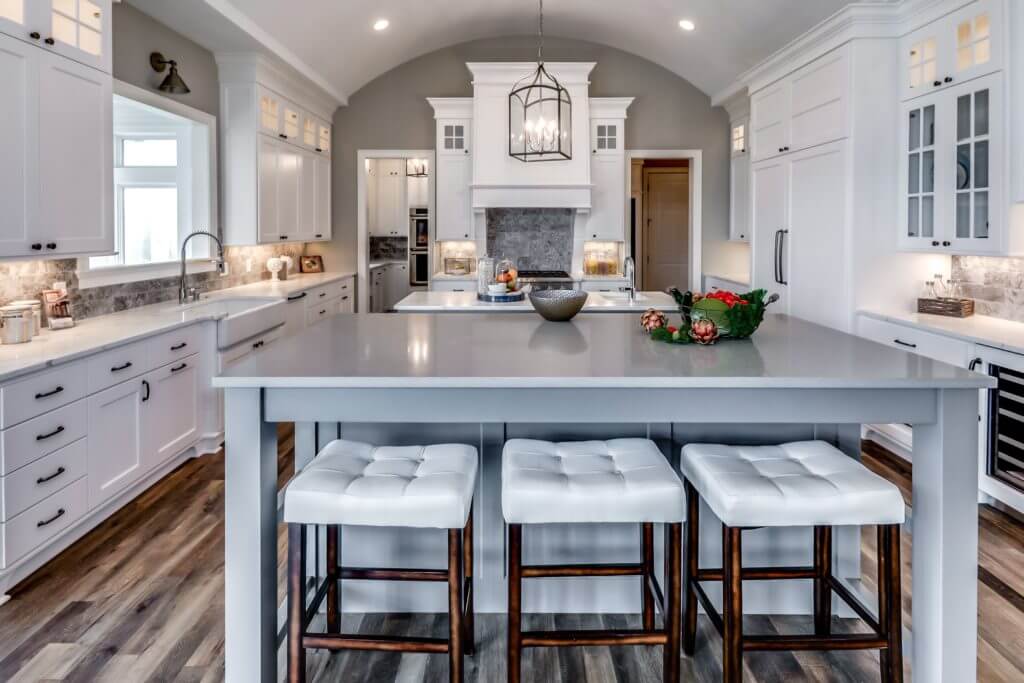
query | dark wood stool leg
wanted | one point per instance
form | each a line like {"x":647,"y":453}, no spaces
{"x":692,"y":561}
{"x":515,"y":588}
{"x":892,"y":626}
{"x":455,"y":627}
{"x":647,"y":555}
{"x":296,"y":602}
{"x":333,"y":585}
{"x":732,"y":605}
{"x":822,"y":588}
{"x":467,"y":568}
{"x":673,"y":608}
{"x":883,"y":593}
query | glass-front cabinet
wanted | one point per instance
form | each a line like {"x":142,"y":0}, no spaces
{"x":952,"y":170}
{"x":76,"y":29}
{"x":956,"y":48}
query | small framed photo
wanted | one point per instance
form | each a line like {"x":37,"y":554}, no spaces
{"x":311,"y":264}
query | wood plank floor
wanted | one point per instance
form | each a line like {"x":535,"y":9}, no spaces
{"x":140,"y":599}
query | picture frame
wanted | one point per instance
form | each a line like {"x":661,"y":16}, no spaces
{"x":311,"y":264}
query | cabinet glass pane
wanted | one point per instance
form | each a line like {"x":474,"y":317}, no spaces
{"x":928,"y":126}
{"x":927,"y":216}
{"x":325,"y":138}
{"x":600,"y":143}
{"x":90,"y":41}
{"x":13,"y":10}
{"x":291,"y":123}
{"x":309,"y":133}
{"x":449,"y":131}
{"x":914,"y":186}
{"x":963,"y":215}
{"x":981,"y":215}
{"x":64,"y":6}
{"x":89,"y":15}
{"x":928,"y":172}
{"x":913,"y":217}
{"x":268,"y":113}
{"x":963,"y":167}
{"x":914,"y":125}
{"x":963,"y":117}
{"x":458,"y":143}
{"x":449,"y":143}
{"x":65,"y":30}
{"x":981,"y":164}
{"x":981,"y":112}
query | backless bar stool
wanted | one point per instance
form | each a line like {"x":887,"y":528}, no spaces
{"x":362,"y":485}
{"x":808,"y":484}
{"x":625,"y":481}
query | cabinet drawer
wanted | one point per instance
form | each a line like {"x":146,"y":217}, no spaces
{"x":344,"y":287}
{"x":41,"y":522}
{"x":32,"y":440}
{"x":240,"y":351}
{"x":934,"y":346}
{"x":31,"y":484}
{"x":319,"y":294}
{"x":173,"y":346}
{"x":453,"y":286}
{"x":322,"y":310}
{"x":42,"y":392}
{"x":602,"y":285}
{"x":111,"y":367}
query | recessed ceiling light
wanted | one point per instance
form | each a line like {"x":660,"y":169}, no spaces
{"x":687,"y":25}
{"x":381,"y":24}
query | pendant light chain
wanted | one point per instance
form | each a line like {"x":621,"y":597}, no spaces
{"x":540,"y":43}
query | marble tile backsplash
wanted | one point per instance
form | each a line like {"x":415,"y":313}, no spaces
{"x":534,"y":239}
{"x":27,"y":279}
{"x":995,"y":284}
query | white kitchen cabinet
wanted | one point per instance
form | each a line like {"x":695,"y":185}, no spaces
{"x":396,"y":284}
{"x":280,"y":198}
{"x":804,"y":109}
{"x":453,"y":177}
{"x":171,"y":415}
{"x":739,"y":183}
{"x":323,"y":228}
{"x":79,"y":30}
{"x":952,"y":186}
{"x":770,"y":216}
{"x":116,"y":441}
{"x":391,"y":212}
{"x":57,"y":141}
{"x":957,"y":47}
{"x":608,"y":175}
{"x":378,"y":287}
{"x":295,"y":313}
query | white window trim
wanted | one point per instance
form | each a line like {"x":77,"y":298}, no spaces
{"x":102,"y":277}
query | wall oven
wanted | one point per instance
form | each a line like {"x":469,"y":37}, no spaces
{"x":419,"y":268}
{"x":419,"y":228}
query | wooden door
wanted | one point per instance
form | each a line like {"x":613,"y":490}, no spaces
{"x":667,"y":229}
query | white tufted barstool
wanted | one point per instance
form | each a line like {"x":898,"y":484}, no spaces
{"x":624,"y":480}
{"x":363,"y":485}
{"x":807,"y":483}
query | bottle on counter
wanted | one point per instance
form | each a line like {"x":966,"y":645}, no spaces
{"x":484,"y":274}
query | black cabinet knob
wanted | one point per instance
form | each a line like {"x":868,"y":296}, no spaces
{"x":937,"y":83}
{"x":37,"y":246}
{"x":49,"y":41}
{"x":948,"y":79}
{"x":282,"y":136}
{"x":283,"y":237}
{"x":51,"y":245}
{"x":935,"y":243}
{"x":947,"y":243}
{"x":34,"y":35}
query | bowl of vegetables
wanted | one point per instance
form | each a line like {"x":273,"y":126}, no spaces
{"x":707,"y":318}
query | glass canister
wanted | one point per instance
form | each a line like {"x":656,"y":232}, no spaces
{"x":484,"y":274}
{"x":36,"y":307}
{"x":505,"y":273}
{"x":16,"y":324}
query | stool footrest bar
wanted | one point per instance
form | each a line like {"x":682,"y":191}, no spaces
{"x":385,"y":643}
{"x":538,"y":571}
{"x":760,"y":573}
{"x":395,"y":574}
{"x":843,"y":641}
{"x":592,"y":638}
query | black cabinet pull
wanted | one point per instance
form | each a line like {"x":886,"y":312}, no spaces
{"x":344,"y":298}
{"x":180,"y":367}
{"x":48,"y":394}
{"x":43,"y":480}
{"x":323,"y":294}
{"x":55,"y":432}
{"x":947,"y":243}
{"x":145,"y":385}
{"x":34,"y":35}
{"x":51,"y":245}
{"x":903,"y":343}
{"x":51,"y":520}
{"x":948,"y":79}
{"x":49,"y":41}
{"x":283,"y":237}
{"x":258,"y":344}
{"x":37,"y":247}
{"x":974,"y":364}
{"x":322,"y":311}
{"x":319,"y":150}
{"x":179,"y":347}
{"x":119,"y":368}
{"x":297,"y":297}
{"x":282,"y":136}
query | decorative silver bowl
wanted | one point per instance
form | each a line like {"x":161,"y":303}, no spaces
{"x":558,"y":305}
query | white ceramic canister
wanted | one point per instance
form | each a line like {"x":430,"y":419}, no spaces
{"x":37,"y":313}
{"x":16,"y":324}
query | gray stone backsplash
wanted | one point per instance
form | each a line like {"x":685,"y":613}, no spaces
{"x":533,"y":239}
{"x":27,"y":279}
{"x":995,"y":284}
{"x":388,"y":248}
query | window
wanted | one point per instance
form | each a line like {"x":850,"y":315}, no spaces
{"x":739,"y":139}
{"x":163,"y":188}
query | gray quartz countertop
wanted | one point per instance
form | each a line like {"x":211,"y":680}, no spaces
{"x":599,"y":351}
{"x":979,"y":329}
{"x":466,"y":302}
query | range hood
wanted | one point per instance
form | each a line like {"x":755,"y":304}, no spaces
{"x":501,"y":181}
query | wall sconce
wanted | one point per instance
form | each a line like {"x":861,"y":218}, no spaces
{"x":173,"y":83}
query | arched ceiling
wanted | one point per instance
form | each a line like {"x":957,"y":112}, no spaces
{"x":334,"y":42}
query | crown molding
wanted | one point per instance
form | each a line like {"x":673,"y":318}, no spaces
{"x":609,"y":107}
{"x":507,"y":73}
{"x":738,"y":106}
{"x":452,"y":107}
{"x":855,"y":21}
{"x":234,"y":67}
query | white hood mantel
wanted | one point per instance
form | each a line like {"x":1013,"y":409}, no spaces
{"x":501,"y":181}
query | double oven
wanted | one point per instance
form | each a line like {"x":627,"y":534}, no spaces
{"x":419,"y":246}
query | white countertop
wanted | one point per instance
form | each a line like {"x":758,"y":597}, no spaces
{"x":979,"y":329}
{"x":463,"y":302}
{"x":448,"y":277}
{"x":93,"y":335}
{"x":592,"y":351}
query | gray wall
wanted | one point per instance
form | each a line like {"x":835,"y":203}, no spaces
{"x":136,"y":35}
{"x":391,"y":112}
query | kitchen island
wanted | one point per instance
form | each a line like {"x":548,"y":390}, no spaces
{"x":483,"y":378}
{"x":466,"y":302}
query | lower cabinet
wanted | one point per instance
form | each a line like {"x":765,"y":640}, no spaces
{"x":171,"y":415}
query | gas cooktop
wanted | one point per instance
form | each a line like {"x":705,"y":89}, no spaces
{"x":544,"y":275}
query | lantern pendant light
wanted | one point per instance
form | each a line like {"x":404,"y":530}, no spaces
{"x":540,"y":113}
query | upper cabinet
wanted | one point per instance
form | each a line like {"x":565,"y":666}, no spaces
{"x":76,"y":29}
{"x":607,"y":220}
{"x":739,"y":182}
{"x":453,"y":168}
{"x":958,"y":47}
{"x":276,"y":157}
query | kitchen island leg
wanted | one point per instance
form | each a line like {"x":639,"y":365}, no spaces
{"x":945,"y":537}
{"x":250,"y":539}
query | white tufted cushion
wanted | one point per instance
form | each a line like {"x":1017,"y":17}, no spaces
{"x":805,"y":483}
{"x":624,"y":480}
{"x":409,"y":486}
